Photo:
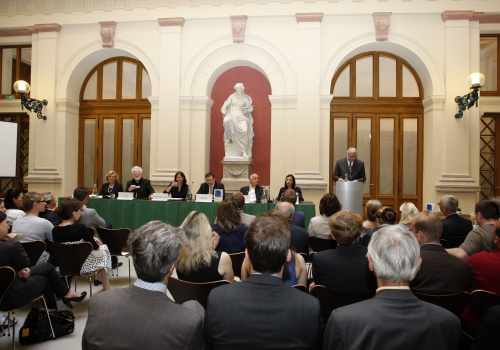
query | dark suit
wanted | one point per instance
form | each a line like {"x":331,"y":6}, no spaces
{"x":299,"y":219}
{"x":262,"y":313}
{"x":441,"y":272}
{"x":393,"y":319}
{"x":258,"y":191}
{"x":105,"y":189}
{"x":455,"y":226}
{"x":204,"y":187}
{"x":145,"y":189}
{"x":487,"y":336}
{"x":344,"y":270}
{"x":357,"y":171}
{"x":49,"y":215}
{"x":299,"y":239}
{"x":112,"y":321}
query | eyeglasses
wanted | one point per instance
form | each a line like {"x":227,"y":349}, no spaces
{"x":40,"y":202}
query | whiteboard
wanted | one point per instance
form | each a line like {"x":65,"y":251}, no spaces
{"x":8,"y":149}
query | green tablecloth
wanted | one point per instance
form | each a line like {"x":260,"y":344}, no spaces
{"x":135,"y":213}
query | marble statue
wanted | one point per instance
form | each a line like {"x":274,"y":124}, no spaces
{"x":238,"y":124}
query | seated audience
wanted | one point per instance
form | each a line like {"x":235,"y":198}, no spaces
{"x":290,"y":196}
{"x":68,"y":231}
{"x":253,"y":190}
{"x":51,"y":204}
{"x":385,"y":216}
{"x":30,"y":282}
{"x":89,"y":217}
{"x":14,"y":203}
{"x":408,"y":211}
{"x":112,"y":186}
{"x":261,"y":312}
{"x":318,"y":226}
{"x":299,"y":238}
{"x":486,"y":266}
{"x":370,"y":224}
{"x":210,"y":185}
{"x":198,"y":261}
{"x":141,"y":187}
{"x":290,"y":184}
{"x":394,"y":318}
{"x":454,"y":226}
{"x":239,"y":199}
{"x":2,"y":207}
{"x":31,"y":227}
{"x":479,"y":239}
{"x":344,"y":269}
{"x":112,"y":321}
{"x":179,"y":187}
{"x":440,"y":272}
{"x":486,"y":338}
{"x":229,"y":228}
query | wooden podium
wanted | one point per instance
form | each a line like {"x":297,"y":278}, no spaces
{"x":350,"y":195}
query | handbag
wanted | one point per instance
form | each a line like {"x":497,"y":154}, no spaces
{"x":36,"y":327}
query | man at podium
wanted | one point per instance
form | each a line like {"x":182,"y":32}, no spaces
{"x":350,"y":167}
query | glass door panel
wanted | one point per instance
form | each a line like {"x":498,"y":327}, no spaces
{"x":386,"y":165}
{"x":146,"y":146}
{"x":108,"y":147}
{"x":410,"y":153}
{"x":89,"y":131}
{"x":364,"y":137}
{"x":128,"y":128}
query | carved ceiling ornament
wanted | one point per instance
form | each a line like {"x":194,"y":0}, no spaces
{"x":309,"y":17}
{"x":108,"y":31}
{"x":238,"y":25}
{"x":382,"y":21}
{"x":172,"y":22}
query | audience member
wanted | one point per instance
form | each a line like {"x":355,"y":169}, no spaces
{"x":454,"y":226}
{"x":112,"y":186}
{"x":261,"y":312}
{"x":319,"y":225}
{"x":69,"y":231}
{"x":2,"y":207}
{"x":394,"y":318}
{"x":290,"y":196}
{"x":370,"y":224}
{"x":179,"y":187}
{"x":479,"y":239}
{"x":290,"y":184}
{"x":198,"y":261}
{"x":408,"y":211}
{"x":228,"y":226}
{"x":14,"y":203}
{"x":299,"y":238}
{"x":139,"y":186}
{"x":210,"y":185}
{"x":486,"y":276}
{"x":239,"y":199}
{"x":385,"y":216}
{"x":344,"y":269}
{"x":253,"y":190}
{"x":31,"y":227}
{"x":51,"y":204}
{"x":440,"y":272}
{"x":112,"y":321}
{"x":486,"y":338}
{"x":89,"y":217}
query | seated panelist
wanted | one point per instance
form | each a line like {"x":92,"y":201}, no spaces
{"x":178,"y":188}
{"x":141,"y":187}
{"x":210,"y":185}
{"x":290,"y":184}
{"x":112,"y":186}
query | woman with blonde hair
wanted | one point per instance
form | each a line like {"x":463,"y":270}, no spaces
{"x":198,"y":261}
{"x":112,"y":186}
{"x":408,"y":211}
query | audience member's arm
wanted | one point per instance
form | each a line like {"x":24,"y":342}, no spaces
{"x":226,"y":267}
{"x":246,"y":269}
{"x":97,"y":220}
{"x":458,"y":252}
{"x":301,"y":264}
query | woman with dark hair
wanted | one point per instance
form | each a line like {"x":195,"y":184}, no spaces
{"x":112,"y":186}
{"x":198,"y":262}
{"x":370,"y":223}
{"x":318,"y":226}
{"x":30,"y":282}
{"x":290,"y":184}
{"x":178,"y":188}
{"x":2,"y":206}
{"x":385,"y":216}
{"x":13,"y":203}
{"x":68,"y":231}
{"x":229,"y":228}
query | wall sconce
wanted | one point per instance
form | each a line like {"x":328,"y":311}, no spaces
{"x":35,"y":106}
{"x":474,"y":81}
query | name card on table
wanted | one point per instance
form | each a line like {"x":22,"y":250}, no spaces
{"x":160,"y":196}
{"x":126,"y":195}
{"x":203,"y":198}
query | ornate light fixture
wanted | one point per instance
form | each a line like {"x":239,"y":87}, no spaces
{"x":474,"y":81}
{"x":35,"y":106}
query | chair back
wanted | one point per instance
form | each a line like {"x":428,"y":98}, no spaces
{"x":454,"y":303}
{"x":320,"y":244}
{"x":301,"y":287}
{"x":34,"y":250}
{"x":481,"y":300}
{"x":115,"y":239}
{"x":7,"y":276}
{"x":237,"y":261}
{"x":330,"y":300}
{"x":183,"y":291}
{"x":453,"y":242}
{"x":70,"y":257}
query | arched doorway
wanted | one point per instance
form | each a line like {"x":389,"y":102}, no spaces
{"x":115,"y":121}
{"x":377,"y":108}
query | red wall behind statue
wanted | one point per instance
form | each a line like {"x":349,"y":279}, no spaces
{"x":258,"y":88}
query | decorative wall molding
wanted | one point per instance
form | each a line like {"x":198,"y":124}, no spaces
{"x":457,"y":15}
{"x":108,"y":31}
{"x":484,"y":19}
{"x":44,"y":28}
{"x":14,"y":32}
{"x":171,"y":22}
{"x":310,"y":180}
{"x":43,"y":176}
{"x":382,"y":22}
{"x":309,"y":17}
{"x":238,"y":25}
{"x":457,"y":183}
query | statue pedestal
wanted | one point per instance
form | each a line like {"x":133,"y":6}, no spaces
{"x":236,"y":174}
